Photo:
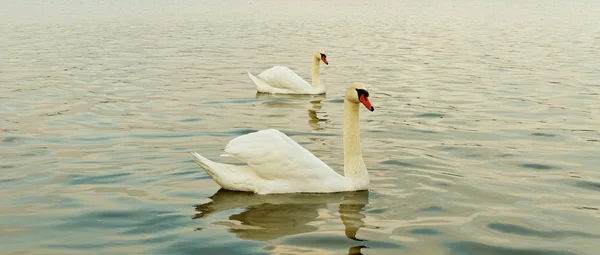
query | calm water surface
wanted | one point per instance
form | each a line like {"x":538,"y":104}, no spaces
{"x":485,"y":138}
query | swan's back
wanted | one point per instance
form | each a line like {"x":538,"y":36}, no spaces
{"x":283,"y":78}
{"x":272,"y":155}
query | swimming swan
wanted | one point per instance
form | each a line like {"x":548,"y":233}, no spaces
{"x":282,"y":80}
{"x":277,"y":164}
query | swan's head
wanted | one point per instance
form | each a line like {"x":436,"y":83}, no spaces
{"x":320,"y":54}
{"x":357,"y":93}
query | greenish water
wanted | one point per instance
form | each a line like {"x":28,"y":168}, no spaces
{"x":485,"y":138}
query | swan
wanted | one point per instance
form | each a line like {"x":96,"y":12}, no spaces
{"x":277,"y":164}
{"x":282,"y":80}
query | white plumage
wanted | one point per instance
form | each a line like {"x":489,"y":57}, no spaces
{"x":277,"y":164}
{"x":282,"y":80}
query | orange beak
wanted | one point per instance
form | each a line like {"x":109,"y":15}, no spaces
{"x":365,"y":101}
{"x":324,"y":59}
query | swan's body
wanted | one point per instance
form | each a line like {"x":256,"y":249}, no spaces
{"x":277,"y":164}
{"x":282,"y":80}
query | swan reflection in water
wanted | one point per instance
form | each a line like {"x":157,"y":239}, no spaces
{"x":314,"y":100}
{"x":314,"y":121}
{"x":268,"y":217}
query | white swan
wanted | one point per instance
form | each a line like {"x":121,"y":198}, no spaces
{"x":277,"y":164}
{"x":282,"y":80}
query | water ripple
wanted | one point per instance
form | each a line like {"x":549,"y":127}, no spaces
{"x":484,"y":139}
{"x":466,"y":247}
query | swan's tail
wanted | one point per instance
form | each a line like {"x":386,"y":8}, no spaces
{"x":205,"y":163}
{"x":255,"y":80}
{"x":261,"y":86}
{"x":229,"y":177}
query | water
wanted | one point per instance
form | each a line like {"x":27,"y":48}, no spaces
{"x":484,"y":140}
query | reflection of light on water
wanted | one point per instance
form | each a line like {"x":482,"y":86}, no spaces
{"x":314,"y":120}
{"x":507,"y":129}
{"x":269,"y":217}
{"x":292,"y":101}
{"x":288,"y":249}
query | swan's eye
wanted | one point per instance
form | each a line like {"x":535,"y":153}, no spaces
{"x":362,"y":92}
{"x":323,"y":55}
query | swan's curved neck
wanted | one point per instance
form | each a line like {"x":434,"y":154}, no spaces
{"x":354,"y":166}
{"x":316,"y":72}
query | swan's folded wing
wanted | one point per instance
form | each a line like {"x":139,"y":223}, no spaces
{"x":273,"y":155}
{"x":284,"y":78}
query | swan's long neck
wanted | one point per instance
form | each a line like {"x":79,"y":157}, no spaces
{"x":316,"y":72}
{"x":354,"y":166}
